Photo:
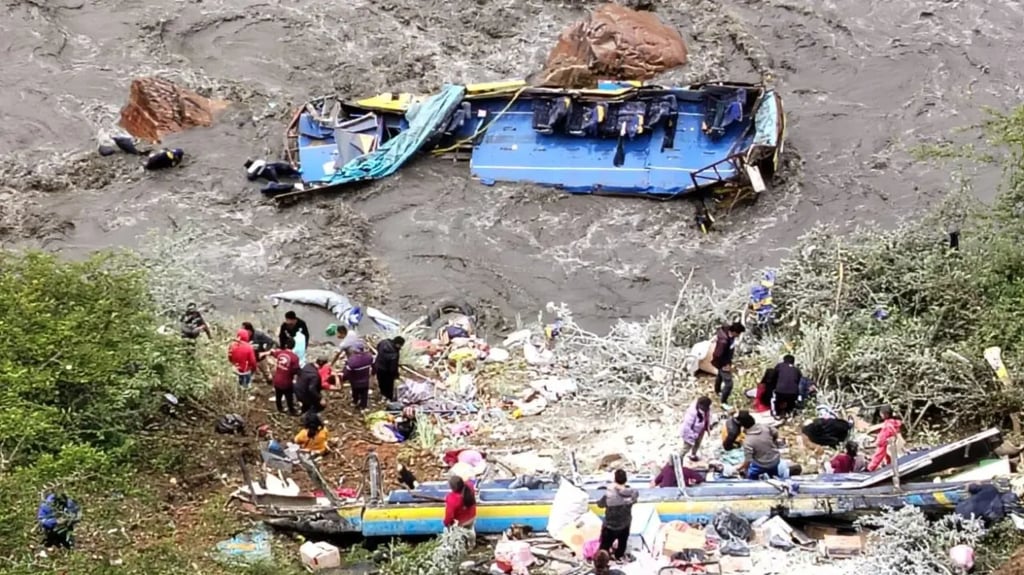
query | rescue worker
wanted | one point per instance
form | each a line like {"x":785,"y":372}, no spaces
{"x":787,"y":387}
{"x":732,"y":431}
{"x":386,"y":365}
{"x":617,"y":502}
{"x":721,"y":358}
{"x":347,"y":339}
{"x":357,"y":372}
{"x":242,"y":358}
{"x":460,"y":505}
{"x":192,"y":323}
{"x":164,"y":158}
{"x":761,"y":454}
{"x":284,"y":378}
{"x":292,"y":325}
{"x":57,"y":516}
{"x":309,"y":389}
{"x":263,"y":344}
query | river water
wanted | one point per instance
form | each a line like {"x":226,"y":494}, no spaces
{"x":863,"y":82}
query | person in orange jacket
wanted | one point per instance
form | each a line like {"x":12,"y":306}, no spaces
{"x":891,"y":428}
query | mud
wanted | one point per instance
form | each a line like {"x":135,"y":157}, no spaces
{"x":863,"y":83}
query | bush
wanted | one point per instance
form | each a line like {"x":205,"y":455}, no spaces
{"x":907,"y":316}
{"x":83,"y":362}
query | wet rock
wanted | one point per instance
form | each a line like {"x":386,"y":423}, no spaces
{"x":157,"y":107}
{"x":614,"y":42}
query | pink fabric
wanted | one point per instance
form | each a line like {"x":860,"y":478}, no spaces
{"x":590,"y":548}
{"x":471,"y":456}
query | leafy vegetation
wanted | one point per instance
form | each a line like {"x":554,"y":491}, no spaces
{"x":82,"y":383}
{"x":899,"y":316}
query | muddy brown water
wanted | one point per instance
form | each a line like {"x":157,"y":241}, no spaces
{"x":863,"y":83}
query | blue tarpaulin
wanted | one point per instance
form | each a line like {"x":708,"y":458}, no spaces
{"x":424,"y":121}
{"x":246,"y":548}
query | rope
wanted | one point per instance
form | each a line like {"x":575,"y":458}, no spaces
{"x":484,"y":128}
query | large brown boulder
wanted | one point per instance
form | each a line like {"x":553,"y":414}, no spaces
{"x":157,"y":107}
{"x":615,"y":42}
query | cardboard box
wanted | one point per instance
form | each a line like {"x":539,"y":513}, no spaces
{"x":643,"y":531}
{"x":675,"y":541}
{"x":840,"y":546}
{"x":319,"y":556}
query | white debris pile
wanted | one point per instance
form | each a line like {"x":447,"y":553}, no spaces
{"x":907,"y":543}
{"x":635,"y":363}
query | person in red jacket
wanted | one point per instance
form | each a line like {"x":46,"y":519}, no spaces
{"x":891,"y":428}
{"x":284,"y":376}
{"x":243,"y":357}
{"x":460,"y":504}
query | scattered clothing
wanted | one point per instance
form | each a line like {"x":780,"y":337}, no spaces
{"x":618,"y":503}
{"x":667,"y":476}
{"x":316,"y":444}
{"x":164,"y":158}
{"x":842,"y":463}
{"x":761,"y":451}
{"x":270,"y":171}
{"x":987,"y":503}
{"x":126,"y":144}
{"x":243,"y":358}
{"x":890,"y":430}
{"x":827,"y":432}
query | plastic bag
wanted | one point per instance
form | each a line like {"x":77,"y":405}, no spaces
{"x":569,"y":504}
{"x":732,"y":526}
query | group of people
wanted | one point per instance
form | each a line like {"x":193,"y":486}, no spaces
{"x":762,"y":456}
{"x":296,"y":380}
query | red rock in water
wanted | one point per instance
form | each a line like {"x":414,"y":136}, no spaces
{"x":615,"y":42}
{"x":157,"y":107}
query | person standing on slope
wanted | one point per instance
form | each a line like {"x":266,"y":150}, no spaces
{"x":721,"y":358}
{"x":243,"y":357}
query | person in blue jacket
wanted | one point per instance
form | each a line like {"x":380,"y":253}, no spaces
{"x":57,"y":516}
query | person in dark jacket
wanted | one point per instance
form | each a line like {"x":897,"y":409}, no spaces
{"x":193,"y":324}
{"x":733,"y":433}
{"x":617,"y":503}
{"x":386,"y":365}
{"x":721,"y":358}
{"x":308,"y":388}
{"x":291,"y":326}
{"x":57,"y":516}
{"x":358,"y":370}
{"x":787,"y":387}
{"x":262,"y":344}
{"x":164,"y":158}
{"x":270,"y":171}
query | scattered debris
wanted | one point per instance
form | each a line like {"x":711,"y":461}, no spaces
{"x":246,"y":548}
